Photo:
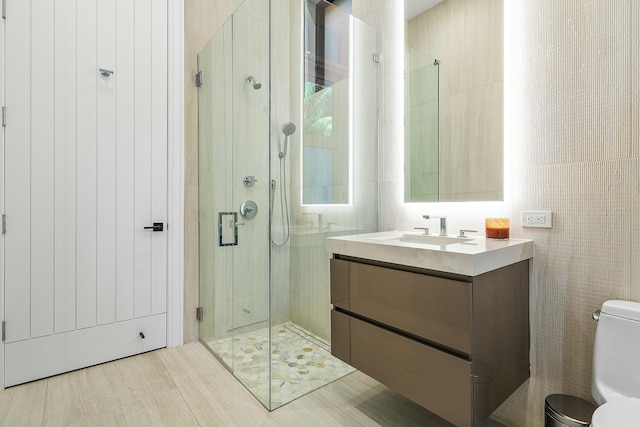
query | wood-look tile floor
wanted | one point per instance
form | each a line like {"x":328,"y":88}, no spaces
{"x":187,"y":386}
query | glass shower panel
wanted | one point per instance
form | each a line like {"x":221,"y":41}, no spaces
{"x":234,"y":194}
{"x":214,"y":166}
{"x":251,"y":87}
{"x":313,"y":223}
{"x":264,"y":285}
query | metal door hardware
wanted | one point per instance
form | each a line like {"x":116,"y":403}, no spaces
{"x":157,"y":226}
{"x":105,"y":72}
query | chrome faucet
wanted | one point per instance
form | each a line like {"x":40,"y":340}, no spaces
{"x":443,"y":223}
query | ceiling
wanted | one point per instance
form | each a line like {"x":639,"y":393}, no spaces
{"x":413,"y":8}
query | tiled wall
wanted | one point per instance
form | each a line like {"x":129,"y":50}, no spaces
{"x":576,"y":152}
{"x":579,"y":156}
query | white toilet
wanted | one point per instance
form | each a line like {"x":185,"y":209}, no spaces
{"x":616,"y":365}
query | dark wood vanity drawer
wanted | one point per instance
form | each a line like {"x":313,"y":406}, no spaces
{"x":340,"y":336}
{"x":431,"y":378}
{"x":340,"y":283}
{"x":433,"y":308}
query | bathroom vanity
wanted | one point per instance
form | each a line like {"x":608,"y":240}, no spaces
{"x":443,"y":322}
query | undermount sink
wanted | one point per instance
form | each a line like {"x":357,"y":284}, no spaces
{"x":433,"y":240}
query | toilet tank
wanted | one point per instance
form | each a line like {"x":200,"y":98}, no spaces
{"x":616,"y":352}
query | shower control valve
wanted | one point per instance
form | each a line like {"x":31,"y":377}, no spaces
{"x":249,"y":180}
{"x":248,"y":209}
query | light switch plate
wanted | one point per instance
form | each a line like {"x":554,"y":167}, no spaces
{"x":539,"y":219}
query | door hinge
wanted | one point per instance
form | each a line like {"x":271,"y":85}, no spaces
{"x":4,"y":116}
{"x":4,"y":330}
{"x":199,"y":314}
{"x":199,"y":78}
{"x":376,"y":58}
{"x":4,"y":223}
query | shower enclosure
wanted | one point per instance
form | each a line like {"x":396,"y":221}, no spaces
{"x":264,"y":277}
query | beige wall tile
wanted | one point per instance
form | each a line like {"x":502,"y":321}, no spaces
{"x":431,"y":33}
{"x":635,"y":148}
{"x":577,"y":81}
{"x":635,"y":79}
{"x":634,"y":229}
{"x":476,"y":143}
{"x":476,"y":29}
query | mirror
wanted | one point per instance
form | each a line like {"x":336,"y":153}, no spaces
{"x":454,"y":100}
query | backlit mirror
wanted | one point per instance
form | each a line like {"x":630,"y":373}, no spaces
{"x":454,"y":100}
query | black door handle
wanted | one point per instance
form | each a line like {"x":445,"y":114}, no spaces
{"x":157,"y":226}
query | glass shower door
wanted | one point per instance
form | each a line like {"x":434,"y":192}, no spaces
{"x":234,"y":195}
{"x":264,"y":287}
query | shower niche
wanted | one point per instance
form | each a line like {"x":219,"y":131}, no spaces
{"x":264,"y":286}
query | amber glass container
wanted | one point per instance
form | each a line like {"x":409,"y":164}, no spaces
{"x":497,"y":228}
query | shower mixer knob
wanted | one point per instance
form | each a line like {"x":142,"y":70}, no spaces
{"x":249,"y":209}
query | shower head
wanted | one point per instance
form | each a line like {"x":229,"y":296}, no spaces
{"x":287,"y":129}
{"x":253,"y":82}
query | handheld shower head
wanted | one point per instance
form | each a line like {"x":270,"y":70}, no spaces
{"x":288,"y":129}
{"x":250,"y":80}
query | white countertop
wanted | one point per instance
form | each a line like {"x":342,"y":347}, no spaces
{"x":472,"y":257}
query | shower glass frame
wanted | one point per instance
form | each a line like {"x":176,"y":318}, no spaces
{"x":257,"y":297}
{"x":234,"y":140}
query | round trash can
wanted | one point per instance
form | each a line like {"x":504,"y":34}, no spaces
{"x":561,"y":410}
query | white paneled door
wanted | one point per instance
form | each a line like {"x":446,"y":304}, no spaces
{"x":85,"y":174}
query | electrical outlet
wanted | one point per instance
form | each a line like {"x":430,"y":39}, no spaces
{"x":541,"y":219}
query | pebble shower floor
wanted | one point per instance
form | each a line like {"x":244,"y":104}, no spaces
{"x":300,"y":362}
